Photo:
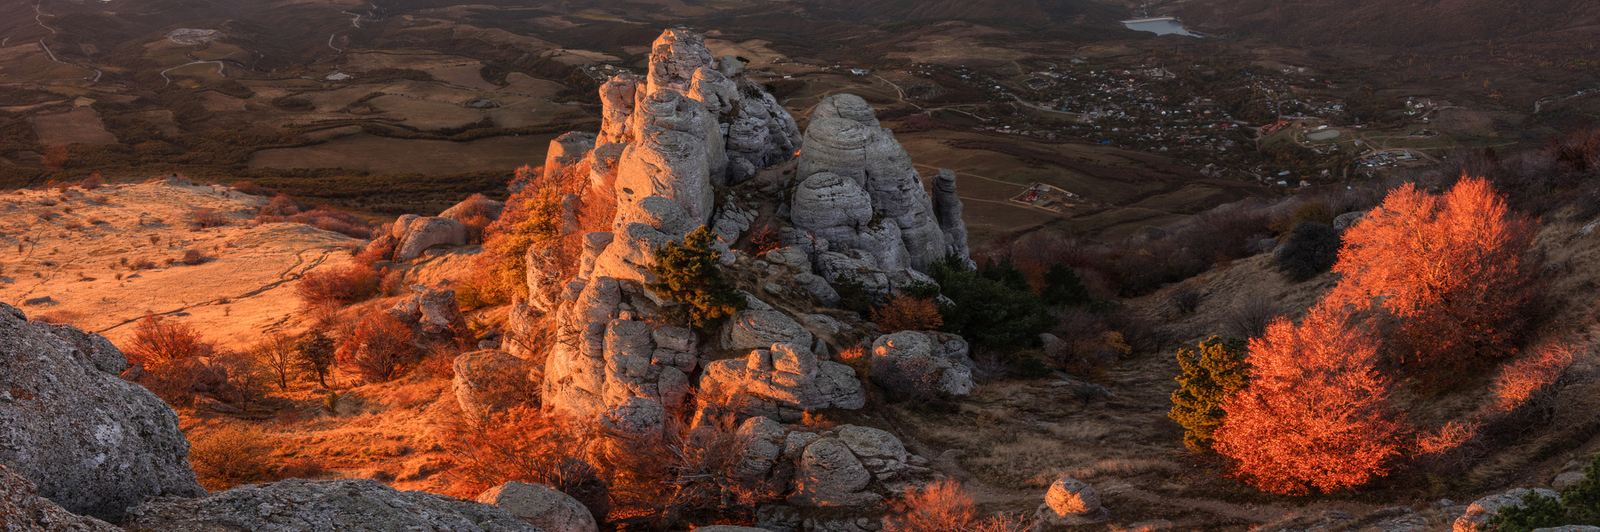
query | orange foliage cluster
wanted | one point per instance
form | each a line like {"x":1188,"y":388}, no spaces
{"x":1450,"y":268}
{"x":944,"y":507}
{"x":159,"y":342}
{"x":906,"y":313}
{"x":550,"y":213}
{"x":379,"y":349}
{"x":352,"y":284}
{"x":1447,"y":278}
{"x":1316,"y":414}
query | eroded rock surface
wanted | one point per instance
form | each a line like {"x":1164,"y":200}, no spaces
{"x":89,"y":441}
{"x":298,"y":505}
{"x":541,"y":506}
{"x":22,"y":509}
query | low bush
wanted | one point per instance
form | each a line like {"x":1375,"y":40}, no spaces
{"x":229,"y":456}
{"x":688,"y":273}
{"x":526,"y":445}
{"x":343,"y":286}
{"x":1312,"y":250}
{"x":907,"y":313}
{"x":159,"y":342}
{"x":379,"y":349}
{"x":476,"y":213}
{"x":943,"y":506}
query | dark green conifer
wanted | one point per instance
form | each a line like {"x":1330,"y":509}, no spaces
{"x":689,"y":274}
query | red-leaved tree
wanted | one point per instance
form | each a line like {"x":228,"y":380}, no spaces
{"x":1315,"y":414}
{"x":1449,"y":270}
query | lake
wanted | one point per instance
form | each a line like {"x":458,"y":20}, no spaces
{"x":1158,"y":26}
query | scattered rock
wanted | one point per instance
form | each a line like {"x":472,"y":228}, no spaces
{"x":1567,"y":479}
{"x":541,"y":506}
{"x":416,"y":235}
{"x":431,"y":311}
{"x":1071,"y":502}
{"x":830,"y":475}
{"x":1344,"y":221}
{"x":88,"y":440}
{"x":906,"y":360}
{"x":781,"y":383}
{"x":297,"y":505}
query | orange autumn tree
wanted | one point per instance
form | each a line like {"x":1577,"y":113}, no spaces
{"x":1449,"y":270}
{"x":1315,"y":414}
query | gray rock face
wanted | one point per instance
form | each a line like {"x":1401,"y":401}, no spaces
{"x":880,"y":452}
{"x":617,"y":98}
{"x":758,"y":329}
{"x":913,"y":359}
{"x":781,"y":383}
{"x":1069,"y":501}
{"x":845,"y":139}
{"x":22,"y":509}
{"x":541,"y":506}
{"x":666,"y":163}
{"x":830,"y":475}
{"x":947,"y":209}
{"x":1479,"y":512}
{"x":298,"y":505}
{"x":90,"y":441}
{"x":419,"y":234}
{"x":489,"y":381}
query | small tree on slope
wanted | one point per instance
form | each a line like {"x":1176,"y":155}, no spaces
{"x":1211,"y":374}
{"x":1315,"y":415}
{"x":689,"y":274}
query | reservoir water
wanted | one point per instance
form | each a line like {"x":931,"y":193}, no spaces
{"x":1158,"y":26}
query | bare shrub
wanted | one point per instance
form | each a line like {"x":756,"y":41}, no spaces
{"x":193,"y":257}
{"x":859,"y":359}
{"x":476,"y":212}
{"x":351,"y":284}
{"x":1185,"y":299}
{"x":92,"y":182}
{"x":205,"y":218}
{"x":48,"y":215}
{"x":943,"y":506}
{"x":276,"y":353}
{"x":379,"y":349}
{"x":1448,"y":438}
{"x":526,"y":445}
{"x":1250,"y":317}
{"x":906,"y":313}
{"x":159,"y":341}
{"x":229,"y":456}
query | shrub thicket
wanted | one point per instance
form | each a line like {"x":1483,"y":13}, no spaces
{"x":688,"y":273}
{"x":1211,"y":374}
{"x":1313,"y":249}
{"x":1062,"y":287}
{"x":907,"y":313}
{"x":379,"y":349}
{"x":993,"y":308}
{"x":229,"y":456}
{"x":943,"y":506}
{"x":344,"y":286}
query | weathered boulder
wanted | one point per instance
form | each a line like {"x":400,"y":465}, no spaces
{"x":490,"y":381}
{"x":430,"y":311}
{"x":419,"y":234}
{"x":297,"y":505}
{"x":833,"y":207}
{"x":22,"y":509}
{"x":763,"y":440}
{"x":88,"y":440}
{"x":880,"y":452}
{"x":673,"y":111}
{"x":910,"y":363}
{"x":617,"y":98}
{"x":1071,"y":502}
{"x":830,"y":475}
{"x":781,"y":383}
{"x":1344,"y":221}
{"x":1567,"y":479}
{"x":758,"y":329}
{"x":541,"y":506}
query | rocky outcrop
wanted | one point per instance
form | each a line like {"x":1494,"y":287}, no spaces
{"x":415,"y":234}
{"x":90,"y":441}
{"x":430,"y":311}
{"x":781,"y":383}
{"x":541,"y":506}
{"x":566,"y":151}
{"x":947,"y":209}
{"x":740,"y":127}
{"x":917,"y":364}
{"x":899,"y":229}
{"x":297,"y":505}
{"x":1071,"y":502}
{"x":22,"y":509}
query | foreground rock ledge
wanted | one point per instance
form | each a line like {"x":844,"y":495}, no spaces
{"x":90,"y":441}
{"x":298,"y":505}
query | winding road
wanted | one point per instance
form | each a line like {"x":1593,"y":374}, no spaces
{"x":38,"y":18}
